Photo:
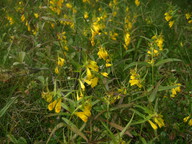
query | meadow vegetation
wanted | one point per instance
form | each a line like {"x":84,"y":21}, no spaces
{"x":95,"y":71}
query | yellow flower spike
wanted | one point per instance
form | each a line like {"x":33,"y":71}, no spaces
{"x":82,"y":85}
{"x":104,"y":74}
{"x":159,"y":121}
{"x":154,"y":126}
{"x":137,"y":2}
{"x":52,"y":105}
{"x":171,"y":24}
{"x":60,"y":61}
{"x":36,"y":15}
{"x":186,"y":118}
{"x":57,"y":70}
{"x":127,"y":40}
{"x":82,"y":116}
{"x":58,"y":106}
{"x":94,"y":82}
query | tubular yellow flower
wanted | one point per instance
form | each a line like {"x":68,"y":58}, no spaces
{"x":94,"y":82}
{"x":137,"y":2}
{"x":102,"y":53}
{"x":68,"y":5}
{"x":108,"y":65}
{"x":167,"y":16}
{"x":104,"y":74}
{"x":86,"y":15}
{"x":82,"y":85}
{"x":89,"y":75}
{"x":57,"y":70}
{"x":52,"y":105}
{"x":171,"y":24}
{"x":58,"y":106}
{"x":190,"y":122}
{"x":82,"y":116}
{"x":23,"y":18}
{"x":188,"y":15}
{"x":36,"y":15}
{"x":186,"y":118}
{"x":154,"y":126}
{"x":60,"y":61}
{"x":93,"y":66}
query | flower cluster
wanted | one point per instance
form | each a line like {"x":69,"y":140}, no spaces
{"x":48,"y":96}
{"x":175,"y":90}
{"x":157,"y":121}
{"x":86,"y":113}
{"x":135,"y":78}
{"x":169,"y":17}
{"x":188,"y":119}
{"x":56,"y":5}
{"x":155,"y":47}
{"x":188,"y":16}
{"x":60,"y":63}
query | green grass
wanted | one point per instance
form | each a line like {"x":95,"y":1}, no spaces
{"x":54,"y":58}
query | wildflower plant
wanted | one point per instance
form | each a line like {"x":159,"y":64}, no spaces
{"x":99,"y":71}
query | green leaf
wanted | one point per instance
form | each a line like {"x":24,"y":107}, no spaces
{"x":22,"y":140}
{"x":136,"y":63}
{"x":154,"y":92}
{"x":127,"y":126}
{"x":21,"y":57}
{"x":58,"y":126}
{"x":75,"y":129}
{"x":9,"y":103}
{"x":12,"y":139}
{"x":166,"y":61}
{"x":162,"y":88}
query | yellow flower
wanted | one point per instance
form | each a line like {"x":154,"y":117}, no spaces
{"x":55,"y":104}
{"x":10,"y":19}
{"x":104,"y":74}
{"x":171,"y":23}
{"x":167,"y":16}
{"x":135,"y":78}
{"x":175,"y":90}
{"x":82,"y":116}
{"x":188,"y":15}
{"x":85,"y":114}
{"x":93,"y":66}
{"x":82,"y":85}
{"x":154,"y":126}
{"x":60,"y":61}
{"x":57,"y":70}
{"x":47,"y":96}
{"x":36,"y":15}
{"x":58,"y":106}
{"x":23,"y":18}
{"x":108,"y":65}
{"x":190,"y":21}
{"x":68,"y":5}
{"x":137,"y":2}
{"x":89,"y":75}
{"x":159,"y":121}
{"x":102,"y":53}
{"x":52,"y":105}
{"x":186,"y":118}
{"x":190,"y":122}
{"x":86,"y":16}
